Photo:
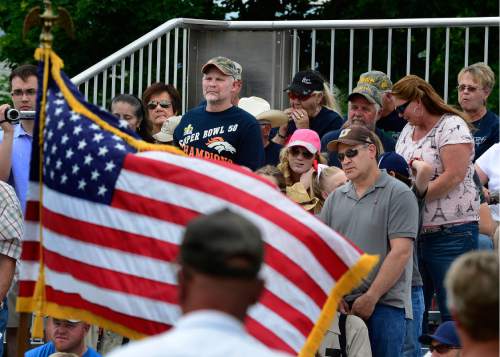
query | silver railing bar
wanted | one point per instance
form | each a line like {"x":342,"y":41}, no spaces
{"x":150,"y":61}
{"x":466,"y":54}
{"x":446,"y":64}
{"x":351,"y":57}
{"x":176,"y":54}
{"x":184,"y":69}
{"x":408,"y":51}
{"x":167,"y":59}
{"x":122,"y":75}
{"x":389,"y":52}
{"x":158,"y":58}
{"x":370,"y":48}
{"x":131,"y":81}
{"x":486,"y":36}
{"x":332,"y":58}
{"x":313,"y":49}
{"x":427,"y":53}
{"x":113,"y":81}
{"x":141,"y":67}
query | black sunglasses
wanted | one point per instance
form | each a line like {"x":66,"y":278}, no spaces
{"x":400,"y":109}
{"x":350,"y":153}
{"x":295,"y":151}
{"x":441,"y":348}
{"x":165,"y":104}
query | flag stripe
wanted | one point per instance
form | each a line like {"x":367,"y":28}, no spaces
{"x":144,"y":326}
{"x":267,"y":336}
{"x":109,"y":279}
{"x":109,"y":237}
{"x":128,"y":304}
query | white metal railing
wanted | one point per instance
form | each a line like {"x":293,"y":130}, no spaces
{"x":128,"y":72}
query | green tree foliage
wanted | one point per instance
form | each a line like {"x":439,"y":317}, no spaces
{"x":101,"y":27}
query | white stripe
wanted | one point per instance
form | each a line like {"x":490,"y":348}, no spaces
{"x":109,"y":258}
{"x":106,"y":216}
{"x":278,"y":325}
{"x":28,"y":270}
{"x":205,"y":203}
{"x":127,"y":304}
{"x":256,"y":188}
{"x":31,"y":230}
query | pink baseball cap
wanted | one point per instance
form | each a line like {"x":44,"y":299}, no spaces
{"x":307,"y":138}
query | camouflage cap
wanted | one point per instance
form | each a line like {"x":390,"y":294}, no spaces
{"x":378,"y":79}
{"x":225,"y":65}
{"x":371,"y":93}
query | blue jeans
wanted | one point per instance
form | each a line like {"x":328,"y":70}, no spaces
{"x":414,"y":327}
{"x":484,"y":242}
{"x":436,"y":252}
{"x":386,"y":328}
{"x":4,"y":316}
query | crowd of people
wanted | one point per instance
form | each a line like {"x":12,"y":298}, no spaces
{"x":404,"y":176}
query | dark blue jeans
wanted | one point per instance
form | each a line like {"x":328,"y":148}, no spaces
{"x":386,"y":328}
{"x":414,"y":327}
{"x":4,"y":315}
{"x":436,"y":252}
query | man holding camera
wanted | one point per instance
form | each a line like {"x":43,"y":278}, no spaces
{"x":15,"y":146}
{"x":15,"y":153}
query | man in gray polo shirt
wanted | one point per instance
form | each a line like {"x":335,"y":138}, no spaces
{"x":379,"y":214}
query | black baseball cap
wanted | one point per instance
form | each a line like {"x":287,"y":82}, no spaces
{"x":223,"y":244}
{"x":306,"y":82}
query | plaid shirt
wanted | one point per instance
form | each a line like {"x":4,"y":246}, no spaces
{"x":11,"y":222}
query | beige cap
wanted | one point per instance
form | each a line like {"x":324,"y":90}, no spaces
{"x":261,"y":110}
{"x":166,"y":133}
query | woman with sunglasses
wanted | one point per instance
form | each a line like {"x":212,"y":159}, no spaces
{"x":475,"y":83}
{"x":438,"y":134}
{"x":129,"y":108}
{"x":162,"y":101}
{"x":298,"y":162}
{"x":312,"y":106}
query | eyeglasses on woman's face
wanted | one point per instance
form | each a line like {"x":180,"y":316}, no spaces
{"x":301,"y":97}
{"x":295,"y":151}
{"x":165,"y":104}
{"x":400,"y":109}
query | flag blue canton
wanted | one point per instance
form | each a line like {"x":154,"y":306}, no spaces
{"x":80,"y":158}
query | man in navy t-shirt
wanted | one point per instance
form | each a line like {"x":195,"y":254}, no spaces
{"x":65,"y":336}
{"x":475,"y":83}
{"x":365,"y":105}
{"x":219,"y":130}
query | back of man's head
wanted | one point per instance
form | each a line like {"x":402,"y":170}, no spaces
{"x":472,"y":290}
{"x":24,"y":72}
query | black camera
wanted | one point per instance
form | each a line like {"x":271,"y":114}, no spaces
{"x":13,"y":115}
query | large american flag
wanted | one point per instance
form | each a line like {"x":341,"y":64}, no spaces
{"x":112,"y":218}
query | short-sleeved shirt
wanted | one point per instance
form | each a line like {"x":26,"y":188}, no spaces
{"x":487,"y":132}
{"x":47,"y":349}
{"x":21,"y":156}
{"x":232,"y":135}
{"x":386,"y":211}
{"x":392,"y":124}
{"x":326,"y":120}
{"x":11,"y":222}
{"x":489,"y":163}
{"x":416,"y":278}
{"x":272,"y":153}
{"x":387,"y":142}
{"x":462,"y":203}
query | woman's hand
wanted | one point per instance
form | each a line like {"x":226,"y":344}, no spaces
{"x":300,"y":117}
{"x":306,"y":178}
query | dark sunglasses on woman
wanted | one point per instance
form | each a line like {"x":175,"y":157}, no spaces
{"x":400,"y":109}
{"x":295,"y":151}
{"x":165,"y":104}
{"x":300,"y":97}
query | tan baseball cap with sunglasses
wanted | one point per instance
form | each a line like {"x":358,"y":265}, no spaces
{"x":353,"y":135}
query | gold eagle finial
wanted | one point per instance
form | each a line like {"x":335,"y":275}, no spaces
{"x":47,"y":20}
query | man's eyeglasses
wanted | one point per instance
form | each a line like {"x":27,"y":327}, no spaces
{"x":400,"y":109}
{"x":300,"y":97}
{"x":19,"y":92}
{"x":463,"y":87}
{"x":165,"y":104}
{"x":441,"y":348}
{"x":295,"y":151}
{"x":350,"y":153}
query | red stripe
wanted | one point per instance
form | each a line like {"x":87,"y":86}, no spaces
{"x":289,"y":313}
{"x":26,"y":288}
{"x":185,"y":177}
{"x":267,"y":337}
{"x":76,"y":301}
{"x":111,"y":280}
{"x":31,"y":251}
{"x":109,"y":237}
{"x":32,"y":211}
{"x":152,"y":208}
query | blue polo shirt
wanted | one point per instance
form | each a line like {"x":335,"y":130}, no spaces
{"x":21,"y":156}
{"x":47,"y":349}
